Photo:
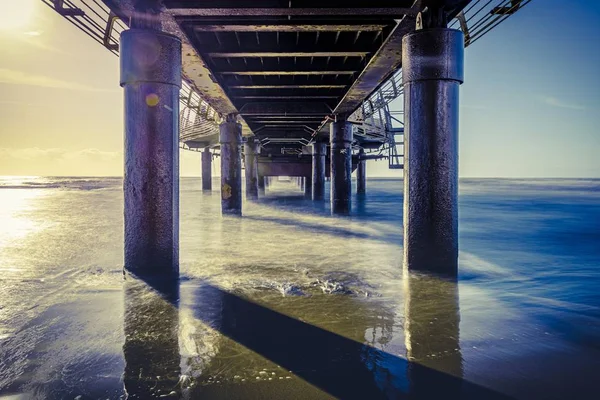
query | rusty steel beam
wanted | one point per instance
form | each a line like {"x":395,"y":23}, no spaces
{"x":289,"y":28}
{"x":267,"y":97}
{"x":282,"y":53}
{"x":382,"y":65}
{"x":194,"y":67}
{"x":285,"y":109}
{"x":282,"y":122}
{"x":286,"y":72}
{"x":274,"y":49}
{"x":302,"y":12}
{"x":315,"y":86}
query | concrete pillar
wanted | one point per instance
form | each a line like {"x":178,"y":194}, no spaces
{"x":251,"y":149}
{"x":308,"y":186}
{"x":432,"y":70}
{"x":341,"y":164}
{"x":206,"y":170}
{"x":318,"y":170}
{"x":151,"y":79}
{"x":261,"y":184}
{"x":361,"y":174}
{"x":230,"y":137}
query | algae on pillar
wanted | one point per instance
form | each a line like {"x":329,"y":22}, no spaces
{"x":432,"y":70}
{"x":151,"y":79}
{"x":251,"y":149}
{"x":341,"y":164}
{"x":206,"y":169}
{"x":230,"y":138}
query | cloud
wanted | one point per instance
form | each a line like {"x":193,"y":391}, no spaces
{"x":58,"y":154}
{"x":22,"y":78}
{"x":553,"y":101}
{"x":60,"y":161}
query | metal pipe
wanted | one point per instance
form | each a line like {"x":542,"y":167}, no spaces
{"x":432,"y":62}
{"x":206,"y":170}
{"x":318,"y":170}
{"x":230,"y":137}
{"x":151,"y":79}
{"x":251,"y":149}
{"x":361,"y":173}
{"x":341,"y":164}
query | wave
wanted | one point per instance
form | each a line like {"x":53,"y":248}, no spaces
{"x":75,"y":183}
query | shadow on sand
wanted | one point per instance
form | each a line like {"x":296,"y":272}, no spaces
{"x":339,"y":366}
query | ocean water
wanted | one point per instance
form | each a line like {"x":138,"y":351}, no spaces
{"x":289,"y":302}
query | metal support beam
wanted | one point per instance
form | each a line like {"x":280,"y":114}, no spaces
{"x":251,"y":149}
{"x":341,"y":164}
{"x":230,"y":137}
{"x":307,"y":12}
{"x":151,"y":79}
{"x":361,"y":173}
{"x":283,"y":53}
{"x":290,"y":28}
{"x":206,"y":170}
{"x":432,"y":72}
{"x":318,"y":170}
{"x":283,"y":87}
{"x":268,"y":73}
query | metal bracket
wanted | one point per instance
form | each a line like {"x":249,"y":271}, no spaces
{"x":464,"y":27}
{"x":110,"y":23}
{"x":62,"y":10}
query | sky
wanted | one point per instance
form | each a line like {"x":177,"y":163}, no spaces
{"x":529,"y":106}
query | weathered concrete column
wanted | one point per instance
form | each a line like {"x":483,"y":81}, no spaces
{"x":361,"y":173}
{"x":230,"y":137}
{"x":251,"y":149}
{"x":261,"y":184}
{"x":206,"y":170}
{"x":151,"y":79}
{"x":341,"y":164}
{"x":432,"y":70}
{"x":318,"y":170}
{"x":308,"y":186}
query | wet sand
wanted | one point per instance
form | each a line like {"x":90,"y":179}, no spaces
{"x":290,"y":303}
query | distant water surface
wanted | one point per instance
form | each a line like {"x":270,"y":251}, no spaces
{"x":289,"y":302}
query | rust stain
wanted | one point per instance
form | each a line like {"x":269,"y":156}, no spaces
{"x":225,"y":191}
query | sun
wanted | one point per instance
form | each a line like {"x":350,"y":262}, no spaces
{"x":15,"y":14}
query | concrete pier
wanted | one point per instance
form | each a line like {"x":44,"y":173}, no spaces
{"x":230,"y":137}
{"x":318,"y":170}
{"x":251,"y":149}
{"x":308,"y":186}
{"x":361,"y":174}
{"x":341,"y":164}
{"x":151,"y":79}
{"x":432,"y":63}
{"x":207,"y":170}
{"x":261,"y":184}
